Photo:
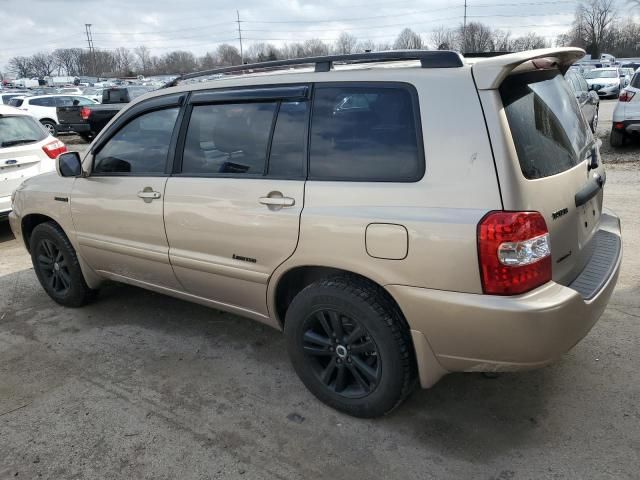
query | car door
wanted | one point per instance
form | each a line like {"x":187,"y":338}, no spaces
{"x":117,"y":210}
{"x":233,"y":205}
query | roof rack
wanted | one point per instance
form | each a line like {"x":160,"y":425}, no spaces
{"x":428,"y":59}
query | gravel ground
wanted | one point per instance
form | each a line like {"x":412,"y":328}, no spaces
{"x":138,"y":385}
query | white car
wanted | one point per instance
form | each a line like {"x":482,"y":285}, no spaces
{"x":26,"y":150}
{"x":626,"y":115}
{"x":70,"y":91}
{"x":94,"y":94}
{"x":43,"y":107}
{"x":606,"y":82}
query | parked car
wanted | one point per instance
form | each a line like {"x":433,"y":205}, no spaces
{"x":6,"y":97}
{"x":26,"y":150}
{"x":43,"y":107}
{"x":606,"y":82}
{"x":388,"y":247}
{"x":89,"y":120}
{"x":626,"y":115}
{"x":587,"y":99}
{"x":70,"y":91}
{"x":94,"y":94}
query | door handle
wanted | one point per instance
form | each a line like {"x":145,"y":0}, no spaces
{"x":276,"y":201}
{"x":148,"y":194}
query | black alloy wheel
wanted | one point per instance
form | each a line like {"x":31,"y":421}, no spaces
{"x":343,"y":354}
{"x":54,"y":267}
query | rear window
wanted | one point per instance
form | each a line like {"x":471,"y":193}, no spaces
{"x":549,"y":132}
{"x":18,"y":130}
{"x":16,"y":102}
{"x":365,"y":133}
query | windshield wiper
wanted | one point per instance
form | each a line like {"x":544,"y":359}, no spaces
{"x":11,"y":143}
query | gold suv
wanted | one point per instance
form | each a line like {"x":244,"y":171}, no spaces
{"x":399,"y":215}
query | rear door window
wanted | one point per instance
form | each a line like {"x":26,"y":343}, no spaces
{"x":548,"y":130}
{"x":365,"y":133}
{"x":228,"y":138}
{"x":16,"y":102}
{"x":43,"y":102}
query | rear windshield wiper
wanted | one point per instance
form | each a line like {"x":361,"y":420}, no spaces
{"x":11,"y":143}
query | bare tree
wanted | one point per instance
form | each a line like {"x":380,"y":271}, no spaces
{"x":476,"y":37}
{"x":408,"y":40}
{"x":594,"y":19}
{"x":443,"y":38}
{"x":123,"y":61}
{"x":528,"y":42}
{"x":346,"y":43}
{"x":144,"y":58}
{"x":208,"y":61}
{"x":21,"y":67}
{"x":228,"y":55}
{"x":366,"y":46}
{"x":314,"y":48}
{"x":43,"y":64}
{"x":262,"y":52}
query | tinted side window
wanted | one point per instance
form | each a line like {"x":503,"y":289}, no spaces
{"x":288,"y":157}
{"x":364,"y":134}
{"x":64,"y":101}
{"x":42,"y":102}
{"x":229,"y":138}
{"x":140,"y":147}
{"x":635,"y":81}
{"x":82,"y":101}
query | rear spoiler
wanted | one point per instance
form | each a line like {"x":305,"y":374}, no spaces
{"x":490,"y":72}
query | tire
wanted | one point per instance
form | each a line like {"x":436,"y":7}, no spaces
{"x":616,"y":139}
{"x":369,"y":383}
{"x":51,"y":127}
{"x":57,"y":268}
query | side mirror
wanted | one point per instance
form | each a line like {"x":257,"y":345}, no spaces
{"x":69,"y":164}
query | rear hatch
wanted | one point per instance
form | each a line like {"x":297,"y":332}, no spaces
{"x":560,"y":162}
{"x":21,"y":151}
{"x":70,"y":114}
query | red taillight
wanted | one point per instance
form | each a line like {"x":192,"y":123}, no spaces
{"x":55,"y":148}
{"x":514,"y":252}
{"x":618,"y":126}
{"x":85,"y":112}
{"x":626,"y":96}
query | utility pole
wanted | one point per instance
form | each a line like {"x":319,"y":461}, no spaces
{"x":92,"y":54}
{"x":240,"y":38}
{"x":464,"y":29}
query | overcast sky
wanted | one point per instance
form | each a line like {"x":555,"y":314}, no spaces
{"x":29,"y":26}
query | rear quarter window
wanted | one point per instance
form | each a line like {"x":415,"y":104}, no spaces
{"x":366,"y":132}
{"x":548,"y":130}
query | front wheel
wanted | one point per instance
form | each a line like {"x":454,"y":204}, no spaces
{"x":57,"y":268}
{"x":350,"y":346}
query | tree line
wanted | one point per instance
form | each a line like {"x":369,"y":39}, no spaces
{"x":597,"y":28}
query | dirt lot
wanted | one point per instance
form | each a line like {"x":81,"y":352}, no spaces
{"x":138,"y":385}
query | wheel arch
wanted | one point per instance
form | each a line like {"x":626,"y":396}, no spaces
{"x":30,"y":221}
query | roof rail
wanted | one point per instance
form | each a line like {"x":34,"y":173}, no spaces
{"x":428,"y":59}
{"x":484,"y":54}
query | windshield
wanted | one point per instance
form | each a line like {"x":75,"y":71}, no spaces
{"x":602,"y":74}
{"x":549,"y":132}
{"x":17,"y":129}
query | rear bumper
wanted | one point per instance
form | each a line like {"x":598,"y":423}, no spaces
{"x":631,"y":127}
{"x":74,"y":127}
{"x":471,"y":332}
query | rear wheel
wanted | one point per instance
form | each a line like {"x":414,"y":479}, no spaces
{"x":616,"y":139}
{"x":57,"y":268}
{"x":50,"y":126}
{"x":350,"y":346}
